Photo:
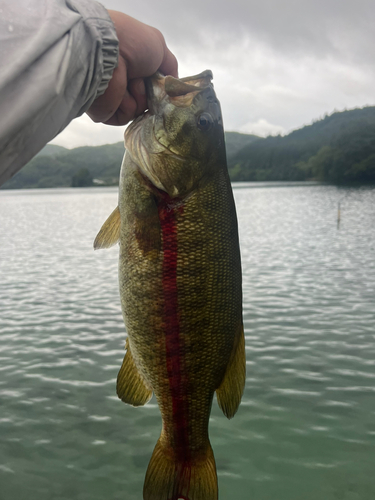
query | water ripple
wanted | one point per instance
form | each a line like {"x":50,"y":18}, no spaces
{"x":305,"y":429}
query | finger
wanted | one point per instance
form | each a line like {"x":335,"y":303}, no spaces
{"x":169,"y":66}
{"x":137,"y":90}
{"x":142,"y":47}
{"x":106,"y":105}
{"x":125,"y":112}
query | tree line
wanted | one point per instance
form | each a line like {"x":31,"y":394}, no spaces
{"x":339,"y":148}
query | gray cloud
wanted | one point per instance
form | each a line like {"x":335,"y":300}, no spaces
{"x":277,"y":64}
{"x":294,"y":26}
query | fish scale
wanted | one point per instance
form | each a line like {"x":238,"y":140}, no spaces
{"x":180,"y":280}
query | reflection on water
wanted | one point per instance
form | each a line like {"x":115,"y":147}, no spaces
{"x":306,"y":427}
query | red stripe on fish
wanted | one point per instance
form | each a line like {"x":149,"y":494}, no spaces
{"x":168,"y":211}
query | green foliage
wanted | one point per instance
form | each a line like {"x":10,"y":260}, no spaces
{"x":57,"y":167}
{"x":339,"y":148}
{"x":82,"y":178}
{"x":234,"y":141}
{"x":52,"y":150}
{"x":321,"y":165}
{"x":363,"y":171}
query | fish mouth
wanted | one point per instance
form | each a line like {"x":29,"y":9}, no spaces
{"x":146,"y":137}
{"x":159,"y":86}
{"x":181,"y":91}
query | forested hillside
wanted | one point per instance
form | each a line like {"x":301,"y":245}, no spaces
{"x":339,"y":148}
{"x":55,"y":166}
{"x":235,"y":141}
{"x":52,"y":150}
{"x":62,"y":168}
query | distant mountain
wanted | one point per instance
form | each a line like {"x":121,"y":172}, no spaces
{"x":52,"y":150}
{"x":55,"y":166}
{"x":48,"y":170}
{"x":234,"y":142}
{"x":340,"y":148}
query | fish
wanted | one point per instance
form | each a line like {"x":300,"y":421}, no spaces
{"x":179,"y":280}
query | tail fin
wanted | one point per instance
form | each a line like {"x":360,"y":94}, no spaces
{"x":168,"y":479}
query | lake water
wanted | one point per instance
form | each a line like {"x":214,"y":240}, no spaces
{"x":306,"y":426}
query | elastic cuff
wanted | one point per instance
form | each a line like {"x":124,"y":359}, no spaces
{"x":96,"y":17}
{"x":110,"y":51}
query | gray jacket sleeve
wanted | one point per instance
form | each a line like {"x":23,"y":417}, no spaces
{"x":56,"y":57}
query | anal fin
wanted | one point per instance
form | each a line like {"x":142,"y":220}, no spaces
{"x":131,"y":387}
{"x":109,"y":233}
{"x":230,"y":391}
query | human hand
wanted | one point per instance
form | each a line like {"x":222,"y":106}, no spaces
{"x":142,"y":51}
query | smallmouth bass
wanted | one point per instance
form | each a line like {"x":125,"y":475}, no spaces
{"x":180,"y":280}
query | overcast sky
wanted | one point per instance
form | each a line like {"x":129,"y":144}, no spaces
{"x":277,"y":64}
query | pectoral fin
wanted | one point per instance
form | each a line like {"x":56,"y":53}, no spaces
{"x":109,"y":233}
{"x":131,"y":387}
{"x":229,"y":393}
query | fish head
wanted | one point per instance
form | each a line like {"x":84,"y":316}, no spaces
{"x":179,"y":142}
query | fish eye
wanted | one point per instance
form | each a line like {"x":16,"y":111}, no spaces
{"x":204,"y":122}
